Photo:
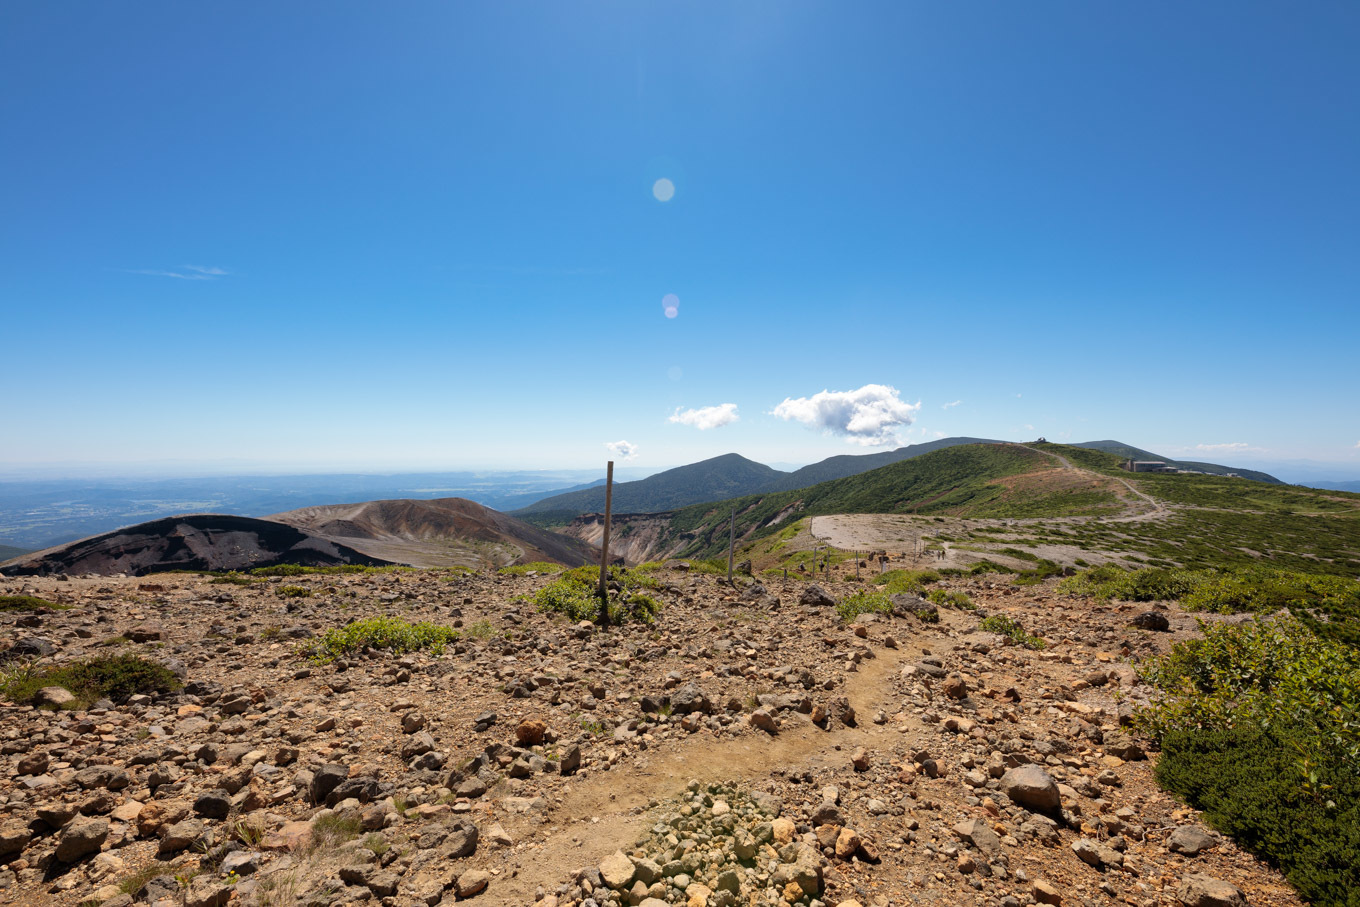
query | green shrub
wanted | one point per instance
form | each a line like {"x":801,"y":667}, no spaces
{"x":575,"y":595}
{"x":334,"y":570}
{"x":1009,"y":626}
{"x":866,"y":602}
{"x":390,"y":633}
{"x":1147,"y":585}
{"x":981,"y":568}
{"x":534,"y":567}
{"x":330,"y":830}
{"x":29,"y":603}
{"x":232,"y":578}
{"x":1328,"y":605}
{"x":950,"y":598}
{"x":114,"y":677}
{"x":1250,"y":783}
{"x":907,"y":581}
{"x":1042,"y":571}
{"x":293,"y":592}
{"x":1260,"y":727}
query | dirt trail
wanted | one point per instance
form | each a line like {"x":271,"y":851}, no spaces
{"x":602,"y":813}
{"x":1157,"y":510}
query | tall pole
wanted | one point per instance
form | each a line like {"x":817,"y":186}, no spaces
{"x":731,"y":544}
{"x":604,"y":545}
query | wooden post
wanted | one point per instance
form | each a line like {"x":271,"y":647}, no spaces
{"x":604,"y":545}
{"x":856,"y":566}
{"x":731,"y":544}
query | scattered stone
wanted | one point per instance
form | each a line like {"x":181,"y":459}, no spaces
{"x":1032,"y":788}
{"x":1205,"y":891}
{"x":1190,"y":840}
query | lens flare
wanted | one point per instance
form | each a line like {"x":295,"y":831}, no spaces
{"x":663,"y":189}
{"x":670,"y":304}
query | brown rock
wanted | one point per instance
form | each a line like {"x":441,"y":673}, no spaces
{"x":531,"y":732}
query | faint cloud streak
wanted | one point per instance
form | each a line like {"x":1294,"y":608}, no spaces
{"x":184,"y":272}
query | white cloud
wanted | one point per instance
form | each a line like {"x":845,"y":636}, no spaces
{"x":869,"y":416}
{"x":185,"y":272}
{"x":1357,"y":445}
{"x":624,"y":450}
{"x":939,"y":434}
{"x":706,"y":417}
{"x":951,"y":405}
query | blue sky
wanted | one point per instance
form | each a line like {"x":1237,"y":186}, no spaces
{"x":339,"y":235}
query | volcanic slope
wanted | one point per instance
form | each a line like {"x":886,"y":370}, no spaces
{"x":444,"y":532}
{"x":194,"y":542}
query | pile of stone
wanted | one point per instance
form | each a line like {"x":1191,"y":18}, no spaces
{"x":717,"y":846}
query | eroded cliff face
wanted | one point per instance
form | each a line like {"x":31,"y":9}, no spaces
{"x":635,"y":537}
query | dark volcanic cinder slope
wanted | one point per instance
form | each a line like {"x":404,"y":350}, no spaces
{"x":206,"y":541}
{"x":437,"y":533}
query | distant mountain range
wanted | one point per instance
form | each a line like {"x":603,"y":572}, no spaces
{"x":728,"y":476}
{"x":732,"y":475}
{"x":1335,"y":486}
{"x":1129,"y":452}
{"x":9,"y":551}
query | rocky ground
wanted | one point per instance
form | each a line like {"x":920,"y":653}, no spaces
{"x":748,"y":748}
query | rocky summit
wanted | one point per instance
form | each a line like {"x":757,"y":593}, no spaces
{"x":748,"y":747}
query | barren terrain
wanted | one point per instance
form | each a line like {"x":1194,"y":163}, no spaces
{"x":749,"y":747}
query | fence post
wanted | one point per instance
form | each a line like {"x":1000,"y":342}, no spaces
{"x":604,"y":545}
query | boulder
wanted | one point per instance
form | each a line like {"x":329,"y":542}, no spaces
{"x":815,"y":596}
{"x":1206,"y":891}
{"x":1032,"y":788}
{"x":81,"y":837}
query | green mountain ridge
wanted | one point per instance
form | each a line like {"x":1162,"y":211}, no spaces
{"x":961,"y":479}
{"x":733,"y":475}
{"x":728,"y":475}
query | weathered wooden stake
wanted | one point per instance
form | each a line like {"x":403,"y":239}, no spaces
{"x":604,"y":545}
{"x":731,"y":544}
{"x":856,"y":566}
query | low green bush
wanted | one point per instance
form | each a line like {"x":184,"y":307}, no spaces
{"x":1009,"y":626}
{"x":1043,"y":569}
{"x":113,"y":677}
{"x":1328,"y":605}
{"x":533,"y":567}
{"x":1147,"y":585}
{"x":29,"y":603}
{"x":951,"y":598}
{"x":907,"y":581}
{"x":574,"y":594}
{"x":868,"y":601}
{"x":293,"y":592}
{"x":390,"y":633}
{"x":334,"y":570}
{"x":1259,"y":726}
